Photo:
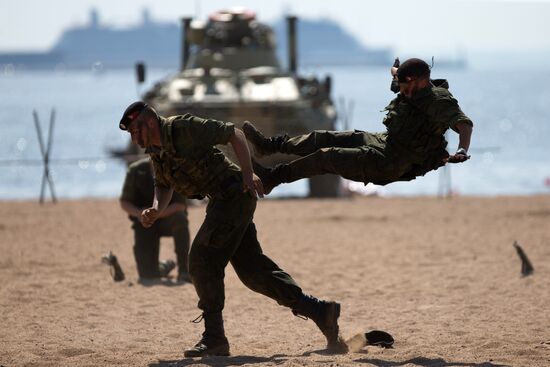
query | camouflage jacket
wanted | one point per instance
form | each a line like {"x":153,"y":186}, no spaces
{"x":415,"y":139}
{"x":188,"y":159}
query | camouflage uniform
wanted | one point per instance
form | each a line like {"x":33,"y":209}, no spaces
{"x":413,"y":144}
{"x":189,"y":162}
{"x":138,"y":189}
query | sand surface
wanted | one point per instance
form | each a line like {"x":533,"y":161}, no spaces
{"x":441,"y":275}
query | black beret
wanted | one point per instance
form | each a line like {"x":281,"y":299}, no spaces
{"x":412,"y":67}
{"x":130,"y":114}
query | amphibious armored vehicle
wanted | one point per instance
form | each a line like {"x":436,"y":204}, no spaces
{"x":230,"y":71}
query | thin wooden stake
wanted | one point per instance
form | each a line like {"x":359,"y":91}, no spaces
{"x":45,"y":150}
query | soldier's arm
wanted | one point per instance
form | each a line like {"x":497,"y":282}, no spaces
{"x":448,"y":114}
{"x":160,"y":202}
{"x":251,"y":182}
{"x":177,"y":204}
{"x":173,"y":208}
{"x":163,"y":195}
{"x":464,"y":137}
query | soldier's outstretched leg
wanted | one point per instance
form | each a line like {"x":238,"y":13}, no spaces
{"x":303,"y":145}
{"x":325,"y":315}
{"x":259,"y":273}
{"x":262,"y":145}
{"x":350,"y":163}
{"x":270,"y":180}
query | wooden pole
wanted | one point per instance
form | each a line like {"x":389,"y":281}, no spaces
{"x":50,"y":143}
{"x":45,"y":150}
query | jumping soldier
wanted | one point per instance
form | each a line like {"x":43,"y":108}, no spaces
{"x":413,"y":144}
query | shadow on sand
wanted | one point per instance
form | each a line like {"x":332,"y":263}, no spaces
{"x":282,"y":358}
{"x":222,"y":361}
{"x":323,"y":352}
{"x":426,"y":362}
{"x":161,"y":282}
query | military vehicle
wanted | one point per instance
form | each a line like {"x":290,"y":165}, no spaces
{"x":230,"y":71}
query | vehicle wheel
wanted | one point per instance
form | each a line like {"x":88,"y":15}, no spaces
{"x":325,"y":186}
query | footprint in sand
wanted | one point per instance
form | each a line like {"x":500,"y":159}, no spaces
{"x":73,"y":352}
{"x":458,"y":332}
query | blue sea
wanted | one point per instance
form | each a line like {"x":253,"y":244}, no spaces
{"x":510,"y":145}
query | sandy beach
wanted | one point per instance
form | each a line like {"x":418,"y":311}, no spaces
{"x":441,"y":275}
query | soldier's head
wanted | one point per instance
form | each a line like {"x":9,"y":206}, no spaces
{"x":412,"y":75}
{"x":142,"y":122}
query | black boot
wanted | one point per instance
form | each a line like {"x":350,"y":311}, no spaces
{"x":213,"y":341}
{"x":262,"y":144}
{"x":325,"y":315}
{"x":268,"y":176}
{"x":165,"y":267}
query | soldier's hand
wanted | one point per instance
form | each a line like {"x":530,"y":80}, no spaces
{"x":148,"y":217}
{"x":457,"y":158}
{"x":254,"y":185}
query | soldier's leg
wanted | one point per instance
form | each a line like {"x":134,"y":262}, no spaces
{"x":177,"y":226}
{"x":146,"y":251}
{"x":221,"y":233}
{"x":259,"y":273}
{"x":219,"y":236}
{"x":346,"y":162}
{"x":303,"y":144}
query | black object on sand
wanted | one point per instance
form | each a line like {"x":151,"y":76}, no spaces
{"x":377,"y":338}
{"x":116,"y":271}
{"x":526,"y":267}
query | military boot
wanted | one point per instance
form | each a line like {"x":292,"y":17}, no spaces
{"x":213,"y":341}
{"x":165,"y":267}
{"x":325,"y":315}
{"x":268,"y":176}
{"x":262,"y":144}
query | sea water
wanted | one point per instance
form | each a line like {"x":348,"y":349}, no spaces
{"x":510,"y":144}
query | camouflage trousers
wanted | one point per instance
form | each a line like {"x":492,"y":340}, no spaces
{"x":354,"y":155}
{"x":147,"y":243}
{"x":228,"y":234}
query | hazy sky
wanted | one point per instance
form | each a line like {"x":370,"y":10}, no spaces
{"x":436,"y":27}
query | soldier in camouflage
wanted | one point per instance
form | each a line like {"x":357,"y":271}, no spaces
{"x":186,"y":160}
{"x":413,"y":144}
{"x":137,"y":194}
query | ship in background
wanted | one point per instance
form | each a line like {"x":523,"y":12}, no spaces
{"x":97,"y":45}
